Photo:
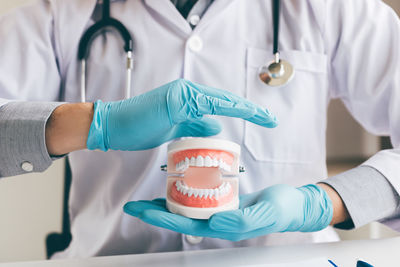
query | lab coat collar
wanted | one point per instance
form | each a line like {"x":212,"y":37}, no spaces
{"x":168,"y":11}
{"x":215,"y":9}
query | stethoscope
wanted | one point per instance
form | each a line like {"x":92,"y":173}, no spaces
{"x":277,"y":73}
{"x":84,"y":47}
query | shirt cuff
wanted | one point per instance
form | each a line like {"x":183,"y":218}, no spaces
{"x":22,"y":143}
{"x":367,"y":195}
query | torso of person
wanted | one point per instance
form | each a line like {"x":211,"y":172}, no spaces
{"x":225,"y":50}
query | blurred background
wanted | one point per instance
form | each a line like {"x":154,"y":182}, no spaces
{"x":31,"y":205}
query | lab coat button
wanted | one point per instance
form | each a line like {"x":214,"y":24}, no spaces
{"x":195,"y":43}
{"x":194,"y":20}
{"x":194,"y":240}
{"x":27,"y":166}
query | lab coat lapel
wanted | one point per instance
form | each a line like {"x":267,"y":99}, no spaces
{"x":71,"y":30}
{"x":169,"y":13}
{"x":215,"y":9}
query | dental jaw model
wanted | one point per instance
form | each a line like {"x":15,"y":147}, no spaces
{"x":202,"y":177}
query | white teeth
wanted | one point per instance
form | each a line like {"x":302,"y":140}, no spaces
{"x":222,"y":190}
{"x":202,"y":162}
{"x":207,"y":161}
{"x":215,"y":162}
{"x":210,"y":192}
{"x":183,"y":165}
{"x":202,"y":193}
{"x":224,"y":166}
{"x":216,"y":194}
{"x":199,"y":161}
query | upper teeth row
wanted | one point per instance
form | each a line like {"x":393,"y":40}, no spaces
{"x":202,"y":162}
{"x":222,"y":190}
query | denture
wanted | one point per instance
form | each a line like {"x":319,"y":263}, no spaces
{"x":202,"y":177}
{"x":203,"y":158}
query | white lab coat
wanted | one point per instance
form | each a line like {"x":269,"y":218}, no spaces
{"x":339,"y":48}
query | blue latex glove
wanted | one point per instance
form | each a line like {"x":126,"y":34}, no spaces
{"x":279,"y":208}
{"x":168,"y":112}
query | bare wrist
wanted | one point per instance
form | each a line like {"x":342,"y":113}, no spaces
{"x":68,"y":127}
{"x":340,"y":213}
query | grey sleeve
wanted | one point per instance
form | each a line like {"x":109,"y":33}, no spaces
{"x":367,"y":194}
{"x":22,"y":137}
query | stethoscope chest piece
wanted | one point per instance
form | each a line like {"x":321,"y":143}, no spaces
{"x":279,"y":72}
{"x":276,"y":73}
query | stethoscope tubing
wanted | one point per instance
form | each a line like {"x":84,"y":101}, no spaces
{"x":276,"y":6}
{"x":87,"y":39}
{"x":282,"y":71}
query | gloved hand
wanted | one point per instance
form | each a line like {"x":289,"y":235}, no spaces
{"x":168,"y":112}
{"x":279,"y":208}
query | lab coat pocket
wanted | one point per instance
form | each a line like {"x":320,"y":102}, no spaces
{"x":300,"y":107}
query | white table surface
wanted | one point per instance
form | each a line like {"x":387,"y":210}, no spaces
{"x":380,"y":252}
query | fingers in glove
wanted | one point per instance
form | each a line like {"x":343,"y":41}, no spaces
{"x":220,"y":102}
{"x":257,"y":216}
{"x":135,"y":208}
{"x":198,"y":128}
{"x":154,"y":213}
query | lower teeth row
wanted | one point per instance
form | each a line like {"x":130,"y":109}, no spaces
{"x":220,"y":191}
